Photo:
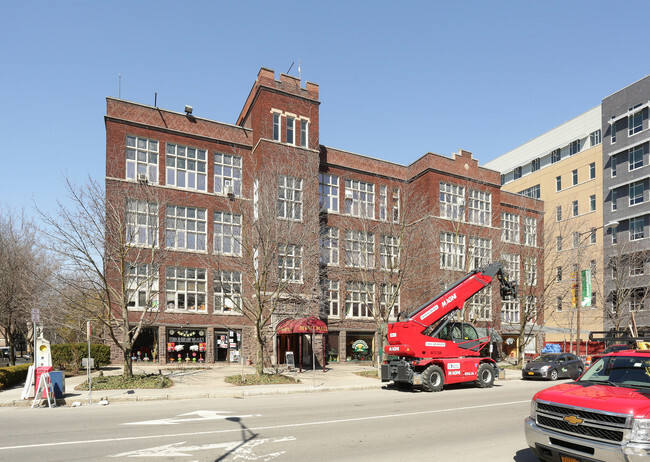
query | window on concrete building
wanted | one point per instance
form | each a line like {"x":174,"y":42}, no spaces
{"x":509,"y":227}
{"x":558,"y":303}
{"x":533,"y":191}
{"x":614,"y":163}
{"x":227,"y":233}
{"x":613,"y":131}
{"x":635,"y":121}
{"x":329,"y":246}
{"x":328,"y":190}
{"x":558,"y":213}
{"x":592,"y":170}
{"x":595,"y":138}
{"x":358,"y":300}
{"x":227,"y":174}
{"x":637,"y":265}
{"x":574,"y":147}
{"x":290,"y":262}
{"x":389,"y":252}
{"x":289,"y":198}
{"x":556,"y":155}
{"x":479,"y":210}
{"x":452,"y":251}
{"x":186,"y":228}
{"x":186,"y":167}
{"x":452,"y":201}
{"x":558,"y":243}
{"x":304,"y":133}
{"x":558,"y":183}
{"x":574,"y":177}
{"x":592,"y":236}
{"x":558,"y":276}
{"x":141,"y":159}
{"x":534,"y":165}
{"x":517,"y":173}
{"x":359,"y":249}
{"x":592,"y":203}
{"x":359,"y":199}
{"x":480,"y":306}
{"x":576,"y":239}
{"x":636,"y":192}
{"x":480,"y":252}
{"x":227,"y":292}
{"x":186,"y":288}
{"x":141,"y":223}
{"x":636,"y":157}
{"x":614,"y":197}
{"x":636,"y":228}
{"x":574,"y":208}
{"x":637,"y":299}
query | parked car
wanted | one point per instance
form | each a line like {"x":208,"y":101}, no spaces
{"x":4,"y":356}
{"x":553,"y":366}
{"x":611,"y":349}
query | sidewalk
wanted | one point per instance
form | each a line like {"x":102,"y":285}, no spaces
{"x":208,"y":382}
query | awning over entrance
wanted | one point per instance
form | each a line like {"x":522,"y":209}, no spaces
{"x":302,"y":326}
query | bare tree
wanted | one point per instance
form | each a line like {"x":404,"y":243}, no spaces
{"x":25,"y":271}
{"x":273,"y":249}
{"x":108,"y":244}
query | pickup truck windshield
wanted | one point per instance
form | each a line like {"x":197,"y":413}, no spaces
{"x":626,"y":371}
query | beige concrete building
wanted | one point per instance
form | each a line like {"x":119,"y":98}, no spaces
{"x":563,"y":167}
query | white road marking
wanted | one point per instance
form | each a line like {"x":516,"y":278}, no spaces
{"x":270,"y":427}
{"x":238,"y":449}
{"x":202,"y":415}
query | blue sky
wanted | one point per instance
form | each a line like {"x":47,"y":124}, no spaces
{"x":397,"y":79}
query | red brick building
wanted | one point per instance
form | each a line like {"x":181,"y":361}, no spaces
{"x":355,"y":239}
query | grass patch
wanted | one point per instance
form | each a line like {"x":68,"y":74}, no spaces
{"x":369,"y":374}
{"x":119,"y":382}
{"x":264,"y":379}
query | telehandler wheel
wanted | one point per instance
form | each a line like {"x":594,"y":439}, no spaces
{"x":433,"y":378}
{"x":485,"y":376}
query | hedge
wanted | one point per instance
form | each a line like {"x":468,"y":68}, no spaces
{"x":67,"y":356}
{"x":13,"y":375}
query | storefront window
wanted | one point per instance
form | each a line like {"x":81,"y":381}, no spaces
{"x":359,"y":347}
{"x":145,"y":348}
{"x":186,"y":345}
{"x":227,"y":344}
{"x":332,"y":346}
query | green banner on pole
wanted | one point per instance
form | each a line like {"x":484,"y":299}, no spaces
{"x":586,"y":287}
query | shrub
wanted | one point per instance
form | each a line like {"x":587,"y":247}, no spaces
{"x":13,"y":375}
{"x":67,"y":356}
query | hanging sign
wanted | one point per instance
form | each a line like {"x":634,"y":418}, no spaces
{"x":586,"y":288}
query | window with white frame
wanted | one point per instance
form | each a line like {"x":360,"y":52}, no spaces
{"x":141,"y":159}
{"x":452,"y":251}
{"x":329,"y":246}
{"x":592,"y":236}
{"x":358,"y":300}
{"x":595,"y":138}
{"x":558,"y":303}
{"x":359,"y":199}
{"x":479,"y":207}
{"x":186,"y":167}
{"x":531,"y":308}
{"x":290,"y":126}
{"x":614,"y":198}
{"x":290,"y":263}
{"x":635,"y":157}
{"x":592,"y":170}
{"x":304,"y":133}
{"x":141,"y":223}
{"x":636,"y":192}
{"x":636,"y":228}
{"x":614,"y":163}
{"x":574,"y":208}
{"x":331,"y":296}
{"x":480,"y":305}
{"x":635,"y":122}
{"x":227,"y":174}
{"x":328,"y":190}
{"x":512,"y":264}
{"x":389,"y":251}
{"x":276,"y":126}
{"x":558,"y":274}
{"x":558,"y":243}
{"x":480,"y":252}
{"x":574,"y":147}
{"x":389,"y":301}
{"x":452,"y":201}
{"x":359,"y":249}
{"x":510,"y":310}
{"x":396,"y":206}
{"x":142,"y":287}
{"x":592,"y":203}
{"x":383,"y":203}
{"x":576,"y":239}
{"x":613,"y":132}
{"x":509,"y":227}
{"x":637,"y":266}
{"x":530,"y":231}
{"x":558,"y":213}
{"x":227,"y":288}
{"x":186,"y":228}
{"x":289,"y":197}
{"x":558,"y":183}
{"x":227,"y":233}
{"x":574,"y":177}
{"x":637,"y":299}
{"x":530,"y":266}
{"x":555,"y":156}
{"x":534,"y":165}
{"x":185,"y":288}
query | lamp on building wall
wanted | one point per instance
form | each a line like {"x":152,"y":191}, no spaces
{"x":579,"y":299}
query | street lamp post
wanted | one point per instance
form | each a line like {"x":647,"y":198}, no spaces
{"x":611,"y":224}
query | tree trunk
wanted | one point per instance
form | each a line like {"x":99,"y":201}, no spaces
{"x":128,"y":363}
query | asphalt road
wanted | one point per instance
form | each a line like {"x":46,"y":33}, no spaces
{"x":461,"y":423}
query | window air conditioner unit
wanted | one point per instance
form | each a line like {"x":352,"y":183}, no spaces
{"x":230,"y":192}
{"x":349,"y":194}
{"x":142,"y":177}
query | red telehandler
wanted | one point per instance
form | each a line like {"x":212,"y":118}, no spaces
{"x":433,"y":349}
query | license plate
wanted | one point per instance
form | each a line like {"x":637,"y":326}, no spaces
{"x":569,"y":459}
{"x":531,"y":373}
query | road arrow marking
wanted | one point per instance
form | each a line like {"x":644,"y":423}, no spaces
{"x":238,"y":449}
{"x":201,"y":415}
